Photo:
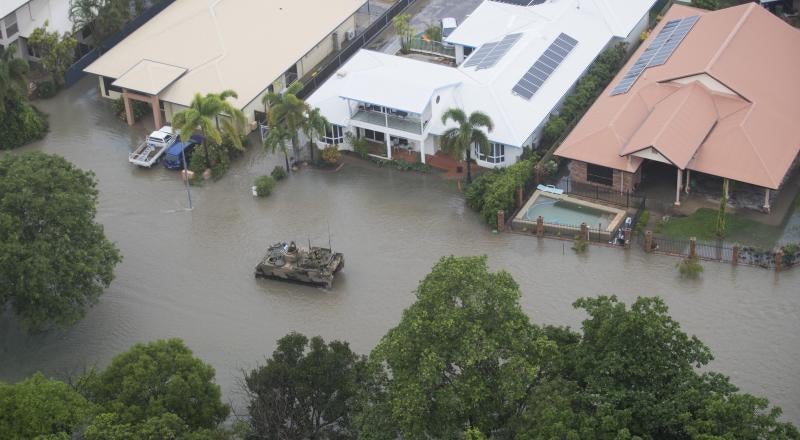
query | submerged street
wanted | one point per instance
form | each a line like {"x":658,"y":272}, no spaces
{"x":189,"y":274}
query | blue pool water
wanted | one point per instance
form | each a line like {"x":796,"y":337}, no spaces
{"x":563,"y":212}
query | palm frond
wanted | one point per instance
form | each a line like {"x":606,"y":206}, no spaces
{"x":456,"y":114}
{"x":480,"y":119}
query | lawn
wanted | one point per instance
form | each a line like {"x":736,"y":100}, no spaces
{"x":702,"y":223}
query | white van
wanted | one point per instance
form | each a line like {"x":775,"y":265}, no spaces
{"x":448,"y":26}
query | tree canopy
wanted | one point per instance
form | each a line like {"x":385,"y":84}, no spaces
{"x":160,"y":377}
{"x":55,"y":261}
{"x":305,"y":390}
{"x":56,"y":52}
{"x":42,"y":407}
{"x":20,"y":122}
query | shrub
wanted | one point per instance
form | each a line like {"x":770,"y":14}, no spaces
{"x":46,"y":89}
{"x":264,"y":186}
{"x":331,"y":155}
{"x":551,"y":167}
{"x":278,"y":173}
{"x":360,"y":145}
{"x":499,"y":195}
{"x":579,"y":245}
{"x":20,"y":124}
{"x":690,"y":267}
{"x":642,"y":222}
{"x":477,"y":189}
{"x":140,"y":109}
{"x":401,"y":165}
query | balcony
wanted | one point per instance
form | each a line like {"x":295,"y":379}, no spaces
{"x":395,"y":121}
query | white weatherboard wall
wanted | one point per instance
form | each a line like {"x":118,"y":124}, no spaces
{"x":30,"y":15}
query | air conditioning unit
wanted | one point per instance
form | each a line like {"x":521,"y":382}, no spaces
{"x":351,"y":34}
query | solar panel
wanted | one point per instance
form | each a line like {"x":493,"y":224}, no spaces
{"x":521,"y":2}
{"x":547,"y":63}
{"x":490,"y":53}
{"x":658,"y":52}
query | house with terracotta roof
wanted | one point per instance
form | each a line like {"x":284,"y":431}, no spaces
{"x":710,"y":94}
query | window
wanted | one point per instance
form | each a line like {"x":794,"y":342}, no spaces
{"x":599,"y":174}
{"x":11,"y":24}
{"x":497,"y":153}
{"x":334,"y":134}
{"x":376,"y":136}
{"x":260,"y":117}
{"x":109,"y":88}
{"x":31,"y":50}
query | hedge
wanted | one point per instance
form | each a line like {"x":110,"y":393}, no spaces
{"x":20,"y":124}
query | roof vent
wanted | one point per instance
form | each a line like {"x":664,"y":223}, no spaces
{"x":341,"y":73}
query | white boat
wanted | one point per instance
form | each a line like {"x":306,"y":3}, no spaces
{"x":149,"y":151}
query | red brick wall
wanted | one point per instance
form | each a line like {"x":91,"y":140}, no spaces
{"x":577,"y":173}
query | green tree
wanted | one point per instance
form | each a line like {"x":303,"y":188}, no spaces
{"x":151,"y":380}
{"x":638,"y":364}
{"x":434,"y":32}
{"x":278,"y":139}
{"x":402,"y":25}
{"x":305,"y":390}
{"x":463,"y":355}
{"x":41,"y":408}
{"x":288,"y":112}
{"x":55,"y":260}
{"x":56,"y":52}
{"x":468,"y":133}
{"x":106,"y":426}
{"x":711,"y":5}
{"x":103,"y":18}
{"x":13,"y":73}
{"x":314,"y":127}
{"x":205,"y":114}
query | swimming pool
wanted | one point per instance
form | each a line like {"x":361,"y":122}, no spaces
{"x":564,"y":211}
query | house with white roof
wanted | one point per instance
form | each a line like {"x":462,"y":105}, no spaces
{"x":207,"y":46}
{"x":18,"y":19}
{"x":516,"y":62}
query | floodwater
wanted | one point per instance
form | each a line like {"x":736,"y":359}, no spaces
{"x":190,"y":274}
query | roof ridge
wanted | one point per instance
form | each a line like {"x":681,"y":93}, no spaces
{"x":746,"y":136}
{"x":730,"y":36}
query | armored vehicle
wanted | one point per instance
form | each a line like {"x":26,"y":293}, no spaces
{"x":315,"y":265}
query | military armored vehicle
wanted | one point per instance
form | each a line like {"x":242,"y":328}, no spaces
{"x":315,"y":265}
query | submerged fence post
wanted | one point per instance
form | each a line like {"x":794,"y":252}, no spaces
{"x":778,"y":260}
{"x":735,"y":255}
{"x":501,"y":220}
{"x":692,"y":247}
{"x":627,"y":237}
{"x":648,"y":241}
{"x":540,"y":226}
{"x":584,"y":231}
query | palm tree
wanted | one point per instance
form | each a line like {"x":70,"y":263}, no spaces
{"x":288,"y":111}
{"x":203,"y":114}
{"x":314,"y":127}
{"x":458,"y":140}
{"x":13,"y":73}
{"x":276,"y":140}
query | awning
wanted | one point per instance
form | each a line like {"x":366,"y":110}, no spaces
{"x":149,"y":77}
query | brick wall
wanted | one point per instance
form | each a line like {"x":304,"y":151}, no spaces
{"x":577,"y":171}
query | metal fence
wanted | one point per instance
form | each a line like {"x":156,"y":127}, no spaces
{"x":605,"y":194}
{"x":75,"y":72}
{"x":316,"y":78}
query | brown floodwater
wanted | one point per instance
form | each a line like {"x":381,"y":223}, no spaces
{"x":190,"y":274}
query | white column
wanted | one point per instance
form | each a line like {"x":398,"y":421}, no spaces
{"x":678,"y":188}
{"x":459,"y":54}
{"x":388,"y":145}
{"x":766,"y":200}
{"x":422,"y":150}
{"x":688,"y":179}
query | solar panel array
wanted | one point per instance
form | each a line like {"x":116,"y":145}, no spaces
{"x":490,"y":53}
{"x":658,"y":52}
{"x":548,"y":62}
{"x":521,"y":2}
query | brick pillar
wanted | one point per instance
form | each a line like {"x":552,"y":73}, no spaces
{"x":584,"y":231}
{"x":735,"y":255}
{"x":627,"y":232}
{"x":501,"y":220}
{"x":519,"y":197}
{"x":778,"y":260}
{"x":128,"y":110}
{"x":540,"y":226}
{"x":156,"y":111}
{"x":692,"y":247}
{"x":648,"y":241}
